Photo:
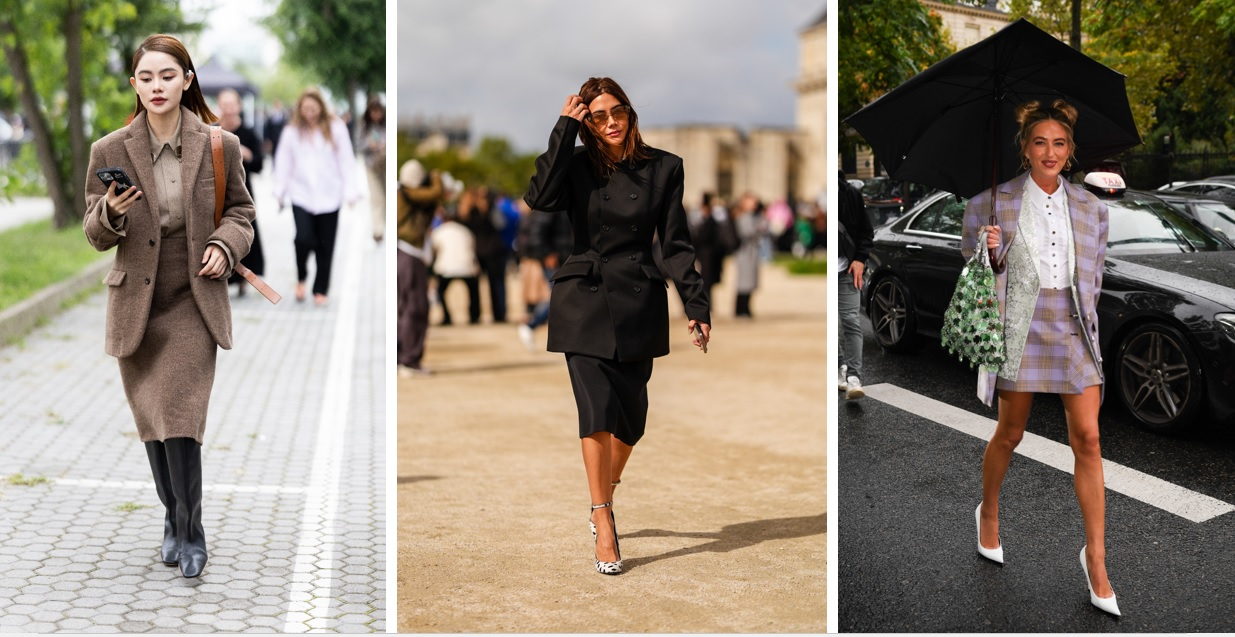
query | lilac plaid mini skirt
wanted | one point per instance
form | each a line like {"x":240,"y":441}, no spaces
{"x":1056,"y":360}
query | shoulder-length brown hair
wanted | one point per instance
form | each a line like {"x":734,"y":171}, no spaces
{"x":192,"y":98}
{"x":323,"y":121}
{"x":633,"y":149}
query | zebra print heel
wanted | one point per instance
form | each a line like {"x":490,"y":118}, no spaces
{"x":613,"y":487}
{"x":609,"y":568}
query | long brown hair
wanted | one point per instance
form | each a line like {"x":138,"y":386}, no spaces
{"x":633,"y":149}
{"x":323,"y":120}
{"x":1032,"y":113}
{"x":192,"y":98}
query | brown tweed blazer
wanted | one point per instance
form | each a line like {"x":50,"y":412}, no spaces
{"x":131,"y":280}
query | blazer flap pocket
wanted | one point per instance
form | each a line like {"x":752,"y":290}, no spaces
{"x":573,"y":269}
{"x":653,"y":272}
{"x":114,"y":278}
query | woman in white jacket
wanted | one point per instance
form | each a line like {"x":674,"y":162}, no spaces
{"x":315,"y":170}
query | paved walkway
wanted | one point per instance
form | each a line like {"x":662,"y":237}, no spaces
{"x":722,"y":508}
{"x":294,"y":460}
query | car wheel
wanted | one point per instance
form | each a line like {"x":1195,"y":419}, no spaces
{"x":892,"y":316}
{"x":1159,"y":378}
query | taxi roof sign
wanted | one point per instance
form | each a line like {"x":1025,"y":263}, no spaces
{"x":1105,"y":184}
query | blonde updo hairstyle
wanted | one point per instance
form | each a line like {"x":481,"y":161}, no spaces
{"x":1032,"y":113}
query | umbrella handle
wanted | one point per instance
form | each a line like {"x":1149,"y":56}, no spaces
{"x":997,"y":265}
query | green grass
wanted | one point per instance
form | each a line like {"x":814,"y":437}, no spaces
{"x":795,"y":265}
{"x":129,"y":507}
{"x":35,"y":255}
{"x":19,"y":480}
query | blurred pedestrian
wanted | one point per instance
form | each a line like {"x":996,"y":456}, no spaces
{"x":272,"y":129}
{"x":709,"y":237}
{"x":454,"y":258}
{"x":168,"y":310}
{"x":419,"y":196}
{"x":856,"y":238}
{"x":551,"y":243}
{"x":252,"y":159}
{"x":486,"y":224}
{"x":373,"y":130}
{"x":314,"y":169}
{"x":609,"y":312}
{"x":749,"y":227}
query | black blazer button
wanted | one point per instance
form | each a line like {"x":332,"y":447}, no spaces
{"x":604,"y":259}
{"x":631,"y":257}
{"x":638,"y":289}
{"x":634,"y":228}
{"x":152,"y":243}
{"x":605,"y":228}
{"x":606,"y":197}
{"x":593,"y":288}
{"x":634,"y":196}
{"x":147,"y":280}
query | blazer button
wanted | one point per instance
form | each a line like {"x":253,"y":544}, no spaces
{"x":593,"y":288}
{"x":152,"y":243}
{"x":147,"y":280}
{"x":605,"y":197}
{"x":634,"y":196}
{"x":638,"y":289}
{"x":604,"y":259}
{"x":634,"y":228}
{"x":631,"y":257}
{"x":605,"y":228}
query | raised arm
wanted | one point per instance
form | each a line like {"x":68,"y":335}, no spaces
{"x":549,"y":189}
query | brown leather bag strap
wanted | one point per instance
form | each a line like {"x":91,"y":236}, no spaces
{"x":220,"y":182}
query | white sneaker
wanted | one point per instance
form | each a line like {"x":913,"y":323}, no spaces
{"x":855,"y":390}
{"x":842,"y":385}
{"x":412,"y":372}
{"x":527,"y":335}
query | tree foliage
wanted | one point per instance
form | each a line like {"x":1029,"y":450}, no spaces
{"x":494,"y":163}
{"x":67,"y":67}
{"x":343,"y":42}
{"x":882,"y":45}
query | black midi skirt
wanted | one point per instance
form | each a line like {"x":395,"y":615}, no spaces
{"x":611,"y":395}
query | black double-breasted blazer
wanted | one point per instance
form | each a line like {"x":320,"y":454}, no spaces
{"x":609,"y":299}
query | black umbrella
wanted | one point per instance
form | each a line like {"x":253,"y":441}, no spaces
{"x":952,"y":125}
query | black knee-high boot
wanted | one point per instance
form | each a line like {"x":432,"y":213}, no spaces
{"x":184,"y":458}
{"x":157,"y":453}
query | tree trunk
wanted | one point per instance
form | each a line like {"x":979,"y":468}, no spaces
{"x":19,"y":66}
{"x":78,"y":150}
{"x":1076,"y":24}
{"x":352,"y":87}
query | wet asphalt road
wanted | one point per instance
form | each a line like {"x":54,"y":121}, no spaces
{"x":907,"y":544}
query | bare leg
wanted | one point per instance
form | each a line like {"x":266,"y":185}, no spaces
{"x":1082,"y":413}
{"x":1013,"y":415}
{"x":620,"y":453}
{"x":597,"y":461}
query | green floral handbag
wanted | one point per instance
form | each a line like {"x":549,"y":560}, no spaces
{"x":971,"y":326}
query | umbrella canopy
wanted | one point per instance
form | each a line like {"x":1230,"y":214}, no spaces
{"x":952,"y":126}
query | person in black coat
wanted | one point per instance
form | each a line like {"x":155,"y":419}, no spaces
{"x":252,"y":160}
{"x":609,"y":309}
{"x":856,"y":239}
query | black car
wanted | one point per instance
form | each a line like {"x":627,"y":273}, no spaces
{"x":885,"y":198}
{"x":1215,"y":213}
{"x":1166,"y":316}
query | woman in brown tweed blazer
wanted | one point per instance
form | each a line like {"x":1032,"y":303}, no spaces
{"x":167,"y":305}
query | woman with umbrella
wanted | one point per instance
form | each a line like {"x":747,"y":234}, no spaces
{"x":1052,"y":237}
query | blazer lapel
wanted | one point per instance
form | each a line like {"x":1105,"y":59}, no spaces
{"x":194,"y":143}
{"x":137,"y":145}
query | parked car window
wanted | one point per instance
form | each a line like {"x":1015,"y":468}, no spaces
{"x":1152,"y":227}
{"x":1216,"y":215}
{"x":930,"y":220}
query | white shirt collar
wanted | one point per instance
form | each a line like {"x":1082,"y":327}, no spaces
{"x":1038,"y":197}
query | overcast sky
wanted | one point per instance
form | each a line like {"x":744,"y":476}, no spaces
{"x":509,"y":64}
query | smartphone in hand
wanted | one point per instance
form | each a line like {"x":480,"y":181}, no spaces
{"x":699,"y":335}
{"x":116,"y":174}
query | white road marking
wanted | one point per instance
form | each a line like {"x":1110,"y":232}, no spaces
{"x":1153,"y":491}
{"x":147,"y":485}
{"x":313,"y":576}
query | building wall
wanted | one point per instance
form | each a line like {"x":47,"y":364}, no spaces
{"x":812,"y":113}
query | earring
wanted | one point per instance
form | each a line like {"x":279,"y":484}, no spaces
{"x":1067,"y":165}
{"x":1024,"y":163}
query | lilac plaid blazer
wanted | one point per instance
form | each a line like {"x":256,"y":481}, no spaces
{"x":1089,"y":230}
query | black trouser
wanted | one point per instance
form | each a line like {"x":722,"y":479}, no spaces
{"x":316,"y":234}
{"x":495,"y":271}
{"x":413,"y":322}
{"x":473,"y":297}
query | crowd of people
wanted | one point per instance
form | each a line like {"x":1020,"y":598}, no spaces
{"x":450,"y":231}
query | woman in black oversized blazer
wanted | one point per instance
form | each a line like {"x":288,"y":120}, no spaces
{"x":609,"y":311}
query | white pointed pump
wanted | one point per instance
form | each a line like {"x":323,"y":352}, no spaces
{"x":995,"y":554}
{"x":1106,"y":604}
